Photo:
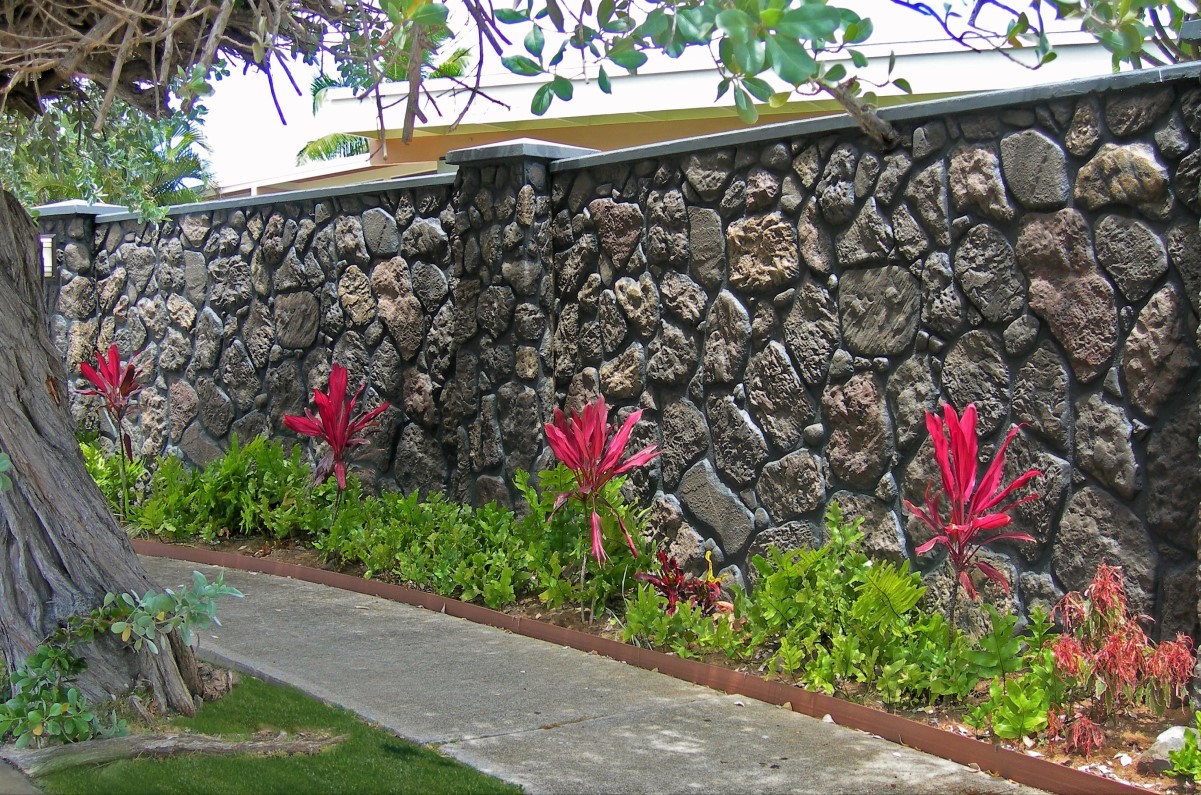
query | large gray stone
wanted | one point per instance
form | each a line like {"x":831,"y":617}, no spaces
{"x":1158,"y":357}
{"x":707,"y":172}
{"x":380,"y":233}
{"x":1040,"y":516}
{"x":682,"y":297}
{"x":1130,"y":175}
{"x":1084,"y":132}
{"x":639,"y":302}
{"x":1184,"y":252}
{"x":879,"y":309}
{"x":229,"y":283}
{"x":1097,"y":529}
{"x":183,"y":406}
{"x":1131,"y":253}
{"x":77,"y":298}
{"x":1129,"y":113}
{"x":1040,"y":395}
{"x":673,"y":356}
{"x":860,"y":447}
{"x":495,"y":310}
{"x":987,"y":272}
{"x":1104,"y":447}
{"x":868,"y":240}
{"x":716,"y":507}
{"x":239,"y":375}
{"x":429,"y":285}
{"x":216,"y":409}
{"x":707,"y":244}
{"x":624,"y":377}
{"x":911,"y":395}
{"x":1068,"y":291}
{"x":777,"y":398}
{"x":793,"y":485}
{"x":976,"y":184}
{"x":813,"y":241}
{"x":1035,"y":170}
{"x":1173,"y":479}
{"x":976,"y":371}
{"x":762,"y":253}
{"x":835,"y":192}
{"x":425,"y":240}
{"x":296,"y":319}
{"x":685,"y":439}
{"x":618,"y":227}
{"x":738,"y":445}
{"x":812,"y":331}
{"x":881,"y":528}
{"x":727,"y":340}
{"x":420,"y":463}
{"x":911,"y":241}
{"x":943,"y":307}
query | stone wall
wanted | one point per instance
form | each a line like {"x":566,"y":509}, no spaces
{"x":785,"y":304}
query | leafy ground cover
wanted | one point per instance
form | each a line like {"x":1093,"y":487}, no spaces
{"x":368,"y":760}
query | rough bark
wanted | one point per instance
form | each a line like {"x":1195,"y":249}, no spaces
{"x":35,"y":762}
{"x":60,"y":548}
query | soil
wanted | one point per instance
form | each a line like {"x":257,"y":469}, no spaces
{"x":1126,"y":735}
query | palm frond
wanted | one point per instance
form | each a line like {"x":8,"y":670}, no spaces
{"x":887,"y":593}
{"x":332,"y":147}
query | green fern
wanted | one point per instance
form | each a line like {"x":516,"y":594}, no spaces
{"x":886,"y":593}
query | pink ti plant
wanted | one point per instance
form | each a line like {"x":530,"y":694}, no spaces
{"x":116,"y":382}
{"x":976,"y":508}
{"x":335,"y":424}
{"x":584,"y":445}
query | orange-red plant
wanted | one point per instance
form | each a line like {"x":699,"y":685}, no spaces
{"x":117,"y":383}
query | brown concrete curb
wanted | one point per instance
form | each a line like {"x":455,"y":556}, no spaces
{"x":1014,"y":766}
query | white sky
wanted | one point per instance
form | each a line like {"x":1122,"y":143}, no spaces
{"x":249,"y":142}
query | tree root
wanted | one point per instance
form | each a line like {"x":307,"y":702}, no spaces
{"x":35,"y":762}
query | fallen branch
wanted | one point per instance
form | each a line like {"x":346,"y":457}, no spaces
{"x":35,"y":762}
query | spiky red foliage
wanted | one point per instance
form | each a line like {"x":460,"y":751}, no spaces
{"x":975,"y":508}
{"x":676,"y":587}
{"x":335,"y":423}
{"x":116,"y":382}
{"x":592,"y":450}
{"x":1084,"y":736}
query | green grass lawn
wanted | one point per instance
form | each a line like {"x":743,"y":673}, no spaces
{"x":368,"y":761}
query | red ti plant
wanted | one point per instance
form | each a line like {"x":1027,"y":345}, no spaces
{"x":116,"y":382}
{"x":976,"y":508}
{"x":335,"y":424}
{"x":587,"y":446}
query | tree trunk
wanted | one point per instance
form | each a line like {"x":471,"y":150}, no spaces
{"x":60,"y":548}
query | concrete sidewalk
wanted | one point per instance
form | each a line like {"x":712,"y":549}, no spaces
{"x":547,"y":718}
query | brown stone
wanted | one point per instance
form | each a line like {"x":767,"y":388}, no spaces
{"x":762,"y":253}
{"x":860,"y":445}
{"x":1158,"y":357}
{"x":619,"y":227}
{"x":976,"y":184}
{"x":1131,"y":175}
{"x":777,"y":398}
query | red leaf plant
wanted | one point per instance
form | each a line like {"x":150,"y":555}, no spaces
{"x":587,"y":445}
{"x":1104,"y":651}
{"x":976,"y":508}
{"x":676,"y":586}
{"x":117,"y":383}
{"x":335,"y":424}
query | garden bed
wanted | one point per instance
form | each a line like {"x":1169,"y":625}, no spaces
{"x":1013,"y":765}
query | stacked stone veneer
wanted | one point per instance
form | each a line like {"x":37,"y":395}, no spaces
{"x":785,"y":309}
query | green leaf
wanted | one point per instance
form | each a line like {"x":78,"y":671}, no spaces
{"x":542,"y":99}
{"x":758,"y":88}
{"x":429,"y":14}
{"x":534,"y":42}
{"x":903,"y":84}
{"x":790,"y":60}
{"x":810,"y":22}
{"x":520,"y":65}
{"x":557,"y":58}
{"x":745,"y":107}
{"x":562,"y":87}
{"x":510,"y":16}
{"x":835,"y":73}
{"x":602,"y":80}
{"x":555,"y":13}
{"x":735,"y":23}
{"x":859,"y":59}
{"x":630,"y":59}
{"x":858,"y":32}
